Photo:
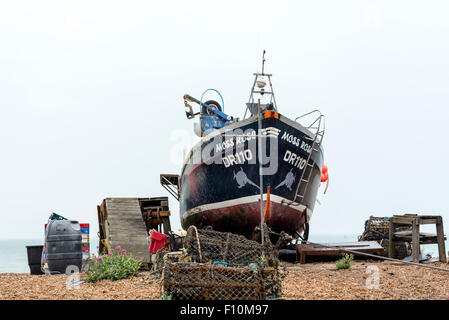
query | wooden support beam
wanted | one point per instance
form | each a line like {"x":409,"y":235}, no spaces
{"x":427,"y":220}
{"x":166,"y":223}
{"x":402,"y":220}
{"x":440,"y":237}
{"x":415,"y":241}
{"x":155,"y":214}
{"x":391,"y":239}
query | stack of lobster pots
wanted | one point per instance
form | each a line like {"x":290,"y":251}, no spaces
{"x":378,"y":229}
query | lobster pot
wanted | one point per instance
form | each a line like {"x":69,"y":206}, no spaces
{"x":198,"y":281}
{"x":208,"y":245}
{"x":158,"y":261}
{"x":63,"y":245}
{"x":378,"y":229}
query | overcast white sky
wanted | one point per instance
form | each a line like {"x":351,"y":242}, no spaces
{"x":91,"y":99}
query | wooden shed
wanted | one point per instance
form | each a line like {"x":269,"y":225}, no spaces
{"x":126,"y":222}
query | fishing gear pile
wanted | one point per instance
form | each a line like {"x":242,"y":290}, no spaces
{"x":208,"y":245}
{"x":221,"y":265}
{"x":216,"y":281}
{"x":378,"y":229}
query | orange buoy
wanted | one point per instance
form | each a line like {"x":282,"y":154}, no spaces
{"x":324,"y":169}
{"x":324,"y":177}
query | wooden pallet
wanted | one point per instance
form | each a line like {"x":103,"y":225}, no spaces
{"x":303,"y":250}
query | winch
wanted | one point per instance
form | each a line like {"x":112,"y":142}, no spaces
{"x":211,"y":114}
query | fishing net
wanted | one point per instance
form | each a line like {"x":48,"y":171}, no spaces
{"x":221,"y":265}
{"x":207,"y":281}
{"x":158,"y":261}
{"x":208,"y":245}
{"x":378,"y":229}
{"x":401,"y":249}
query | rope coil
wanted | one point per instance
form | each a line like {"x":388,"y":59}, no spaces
{"x":198,"y":242}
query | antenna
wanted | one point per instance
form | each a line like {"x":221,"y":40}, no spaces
{"x":263,"y":61}
{"x":260,"y":82}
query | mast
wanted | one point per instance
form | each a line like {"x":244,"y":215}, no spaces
{"x":259,"y":88}
{"x":259,"y":140}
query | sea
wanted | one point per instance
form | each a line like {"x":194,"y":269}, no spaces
{"x":13,"y":253}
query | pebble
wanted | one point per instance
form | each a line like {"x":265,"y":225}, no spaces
{"x":409,"y":282}
{"x":312,"y":281}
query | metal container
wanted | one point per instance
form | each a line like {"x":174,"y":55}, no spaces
{"x":34,"y":258}
{"x":63,"y":243}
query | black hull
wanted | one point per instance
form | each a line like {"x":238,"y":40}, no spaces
{"x":220,"y":181}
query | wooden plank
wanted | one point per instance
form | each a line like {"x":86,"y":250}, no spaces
{"x":304,"y":250}
{"x":303,"y":258}
{"x":336,"y":251}
{"x":126,"y":226}
{"x":391,"y":239}
{"x":402,"y":220}
{"x":154,"y":214}
{"x":441,"y":245}
{"x":104,"y":214}
{"x":408,"y":233}
{"x":415,"y":241}
{"x":100,"y":230}
{"x":166,"y":223}
{"x":424,"y":238}
{"x":423,"y":220}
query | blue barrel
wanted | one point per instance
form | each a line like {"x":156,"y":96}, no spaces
{"x":63,"y":243}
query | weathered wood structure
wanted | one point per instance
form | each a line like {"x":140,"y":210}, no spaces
{"x":125,"y":222}
{"x":156,"y":214}
{"x":415,"y":237}
{"x":378,"y":228}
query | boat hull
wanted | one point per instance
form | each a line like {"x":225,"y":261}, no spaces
{"x":219,"y":184}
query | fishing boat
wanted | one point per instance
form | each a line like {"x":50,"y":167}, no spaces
{"x":265,"y":155}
